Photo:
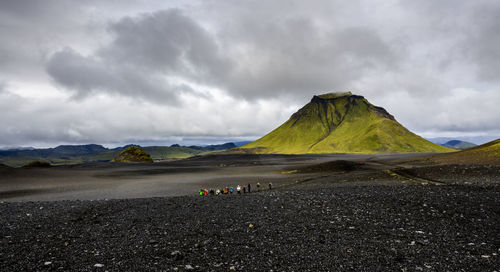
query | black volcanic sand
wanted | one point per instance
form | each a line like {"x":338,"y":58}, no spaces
{"x":326,"y":213}
{"x":140,"y":180}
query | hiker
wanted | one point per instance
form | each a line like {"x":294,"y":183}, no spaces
{"x":212,"y":191}
{"x":258,"y":186}
{"x":226,"y":190}
{"x":270,"y":185}
{"x":231,"y":190}
{"x":244,"y":189}
{"x":238,"y":188}
{"x":205,"y":192}
{"x":201,"y":192}
{"x":249,"y":187}
{"x":217,"y":192}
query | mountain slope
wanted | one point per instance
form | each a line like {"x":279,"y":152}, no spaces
{"x":488,"y":153}
{"x":341,"y":123}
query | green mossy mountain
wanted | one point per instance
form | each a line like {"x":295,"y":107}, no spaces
{"x":341,"y":123}
{"x":133,"y":154}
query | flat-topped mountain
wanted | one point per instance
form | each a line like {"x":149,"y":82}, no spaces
{"x":341,"y":123}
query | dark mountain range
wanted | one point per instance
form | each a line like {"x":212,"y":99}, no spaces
{"x":70,"y":154}
{"x":62,"y":150}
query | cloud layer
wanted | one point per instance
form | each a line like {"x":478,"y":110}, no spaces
{"x":94,"y":72}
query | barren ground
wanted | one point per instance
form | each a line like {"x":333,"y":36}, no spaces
{"x":326,"y":213}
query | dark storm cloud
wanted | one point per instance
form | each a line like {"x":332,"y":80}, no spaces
{"x":88,"y":75}
{"x":166,"y":41}
{"x":147,"y":57}
{"x":285,"y":57}
{"x":297,"y":56}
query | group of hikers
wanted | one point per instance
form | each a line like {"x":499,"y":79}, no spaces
{"x":231,"y":190}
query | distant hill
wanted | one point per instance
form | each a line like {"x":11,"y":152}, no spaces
{"x":457,"y":144}
{"x":242,"y":143}
{"x":341,"y":123}
{"x":478,"y":140}
{"x":488,"y":153}
{"x":71,"y":154}
{"x":133,"y":154}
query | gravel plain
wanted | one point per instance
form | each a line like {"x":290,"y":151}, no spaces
{"x":348,"y":228}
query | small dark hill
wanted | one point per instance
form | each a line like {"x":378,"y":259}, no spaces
{"x":332,"y":166}
{"x":341,"y":123}
{"x":457,"y":144}
{"x":133,"y":154}
{"x":35,"y":164}
{"x":3,"y":166}
{"x":488,"y":153}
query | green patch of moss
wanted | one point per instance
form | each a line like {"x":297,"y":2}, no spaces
{"x":133,"y":154}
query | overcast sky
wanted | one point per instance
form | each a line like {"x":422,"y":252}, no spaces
{"x":162,"y":72}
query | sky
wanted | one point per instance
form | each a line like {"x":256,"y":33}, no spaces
{"x":200,"y":72}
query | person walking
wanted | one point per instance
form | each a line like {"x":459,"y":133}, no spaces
{"x":258,"y":186}
{"x":244,"y":189}
{"x":249,"y":187}
{"x":238,"y":189}
{"x":270,"y":185}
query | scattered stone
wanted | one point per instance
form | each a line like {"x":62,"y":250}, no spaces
{"x":177,"y":255}
{"x":47,"y":263}
{"x":98,"y":265}
{"x":189,"y":267}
